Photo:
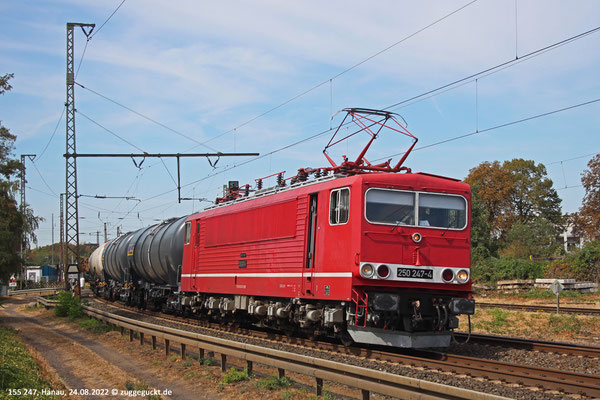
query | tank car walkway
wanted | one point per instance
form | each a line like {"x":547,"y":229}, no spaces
{"x":80,"y":361}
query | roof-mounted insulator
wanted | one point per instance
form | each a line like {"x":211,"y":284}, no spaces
{"x":302,"y":175}
{"x":280,"y":180}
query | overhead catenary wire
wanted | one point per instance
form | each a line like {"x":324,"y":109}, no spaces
{"x":519,"y":121}
{"x":146,"y":117}
{"x":106,"y":21}
{"x":497,"y":67}
{"x":574,"y":158}
{"x":432,"y":92}
{"x":109,"y":131}
{"x":444,"y":88}
{"x":53,"y":133}
{"x":299,"y":95}
{"x":522,"y":120}
{"x":356,"y":65}
{"x":42,"y":178}
{"x":324,"y":132}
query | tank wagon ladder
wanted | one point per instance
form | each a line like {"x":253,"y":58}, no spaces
{"x":361,"y":299}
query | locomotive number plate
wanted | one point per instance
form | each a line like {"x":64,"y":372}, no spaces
{"x":414,"y":273}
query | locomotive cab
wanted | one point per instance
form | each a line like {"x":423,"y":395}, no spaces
{"x":413,"y":275}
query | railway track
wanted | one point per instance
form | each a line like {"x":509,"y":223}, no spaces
{"x":533,"y":345}
{"x":534,"y":308}
{"x":367,"y":380}
{"x":532,"y":376}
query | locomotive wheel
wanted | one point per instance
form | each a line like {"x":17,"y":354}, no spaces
{"x":345,"y":338}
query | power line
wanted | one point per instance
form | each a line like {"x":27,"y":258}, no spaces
{"x":146,"y":117}
{"x":449,"y":86}
{"x":569,"y":187}
{"x":485,"y":72}
{"x":43,"y":180}
{"x":53,"y":133}
{"x":107,"y":19}
{"x":497,"y":67}
{"x":420,"y":148}
{"x":109,"y":131}
{"x":82,"y":55}
{"x":498,"y":127}
{"x":327,"y":81}
{"x":574,"y":158}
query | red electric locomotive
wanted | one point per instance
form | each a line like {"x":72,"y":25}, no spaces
{"x":369,"y":253}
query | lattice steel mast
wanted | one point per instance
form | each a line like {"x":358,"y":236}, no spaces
{"x":71,"y":206}
{"x":23,"y":206}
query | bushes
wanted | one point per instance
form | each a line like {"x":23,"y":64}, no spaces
{"x":233,"y":375}
{"x":494,"y":269}
{"x":583,"y":265}
{"x":68,"y":306}
{"x":95,"y":326}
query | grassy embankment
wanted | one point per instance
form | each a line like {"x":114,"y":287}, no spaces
{"x":21,"y":377}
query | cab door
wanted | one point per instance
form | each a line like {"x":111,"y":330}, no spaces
{"x":196,"y":253}
{"x":309,"y":267}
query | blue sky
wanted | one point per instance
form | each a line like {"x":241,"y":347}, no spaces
{"x":203,"y":69}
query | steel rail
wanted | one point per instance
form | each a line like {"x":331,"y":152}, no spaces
{"x":533,"y":345}
{"x":494,"y":340}
{"x":547,"y":378}
{"x":367,"y":380}
{"x":533,"y":307}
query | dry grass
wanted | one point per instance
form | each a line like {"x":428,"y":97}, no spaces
{"x":535,"y":325}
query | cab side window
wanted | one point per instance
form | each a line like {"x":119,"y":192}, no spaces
{"x":339,"y":206}
{"x":188,"y":231}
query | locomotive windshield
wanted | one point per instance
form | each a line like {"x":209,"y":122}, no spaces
{"x":395,"y":207}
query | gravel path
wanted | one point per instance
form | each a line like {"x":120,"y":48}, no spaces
{"x":81,"y":362}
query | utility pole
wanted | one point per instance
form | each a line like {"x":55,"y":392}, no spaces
{"x":105,"y":234}
{"x":23,"y":209}
{"x":72,"y":211}
{"x":98,"y":237}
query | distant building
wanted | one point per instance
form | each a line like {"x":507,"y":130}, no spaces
{"x":45,"y":273}
{"x":33,"y":273}
{"x":571,"y":241}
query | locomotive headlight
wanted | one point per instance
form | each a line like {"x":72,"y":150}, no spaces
{"x":416,"y":237}
{"x":462,"y":276}
{"x":367,"y":270}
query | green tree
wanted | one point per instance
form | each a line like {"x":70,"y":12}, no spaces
{"x":518,"y":200}
{"x":536,"y":238}
{"x":15,"y":227}
{"x":533,"y":195}
{"x":587,"y":220}
{"x":482,"y":245}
